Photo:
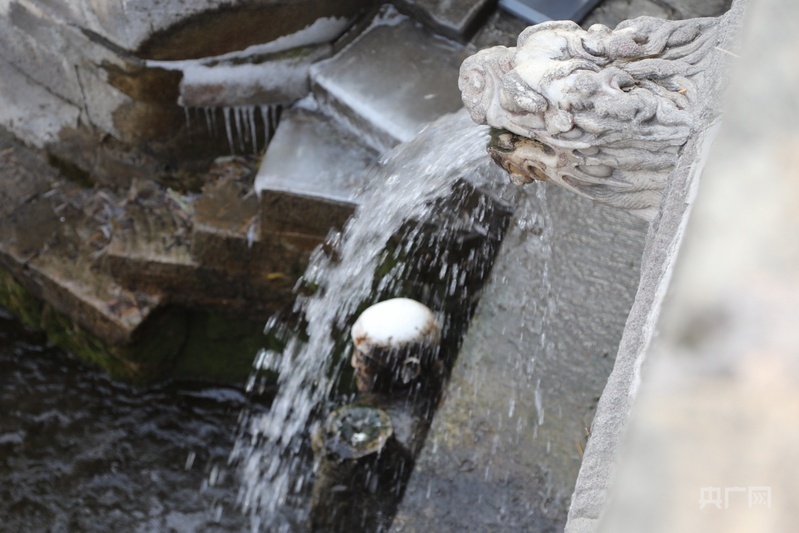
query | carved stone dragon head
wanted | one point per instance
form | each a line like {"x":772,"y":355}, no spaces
{"x":601,"y":112}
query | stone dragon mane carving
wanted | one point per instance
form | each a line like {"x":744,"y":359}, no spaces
{"x":601,"y":112}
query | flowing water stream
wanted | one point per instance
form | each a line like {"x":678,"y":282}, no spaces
{"x":81,"y":453}
{"x":272,"y":450}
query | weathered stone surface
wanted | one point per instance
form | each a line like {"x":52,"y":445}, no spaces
{"x":51,"y":235}
{"x":22,"y":174}
{"x":455,"y":19}
{"x":146,"y":360}
{"x":504,"y":449}
{"x":56,"y":97}
{"x":712,"y":443}
{"x":276,"y":78}
{"x":310,"y":175}
{"x":81,"y":61}
{"x":390,"y":82}
{"x":29,"y":111}
{"x":152,"y":249}
{"x":226,"y":221}
{"x":50,"y":243}
{"x":245,"y":23}
{"x":603,"y":448}
{"x":501,"y":29}
{"x":600,"y":112}
{"x":180,"y":30}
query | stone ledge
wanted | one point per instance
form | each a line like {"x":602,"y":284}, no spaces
{"x":391,"y":81}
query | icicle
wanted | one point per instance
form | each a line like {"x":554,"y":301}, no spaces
{"x":277,"y":111}
{"x":209,"y":121}
{"x":186,"y":110}
{"x":229,"y":129}
{"x":253,"y":132}
{"x":239,"y":129}
{"x":265,"y":120}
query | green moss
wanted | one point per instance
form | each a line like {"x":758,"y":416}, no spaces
{"x":19,"y":301}
{"x":221,"y":347}
{"x":150,"y":358}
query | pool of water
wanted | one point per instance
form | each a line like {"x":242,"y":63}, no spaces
{"x":79,"y":452}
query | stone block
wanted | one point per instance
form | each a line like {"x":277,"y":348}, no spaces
{"x":23,"y":174}
{"x":153,"y":249}
{"x":50,"y":245}
{"x":504,"y":449}
{"x":172,"y":29}
{"x":283,"y":212}
{"x":275,"y":78}
{"x":225,"y":226}
{"x":456,"y":20}
{"x":88,"y":62}
{"x":310,"y":176}
{"x":391,"y":81}
{"x":31,"y":112}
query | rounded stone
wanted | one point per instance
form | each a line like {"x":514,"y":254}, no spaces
{"x":352,"y":432}
{"x":394,"y":324}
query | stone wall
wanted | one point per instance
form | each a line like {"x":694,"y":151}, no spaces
{"x":712,"y":443}
{"x":113,"y":113}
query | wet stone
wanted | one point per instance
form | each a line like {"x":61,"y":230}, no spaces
{"x":152,"y":249}
{"x":455,"y":19}
{"x":310,"y":175}
{"x":274,"y":79}
{"x":147,"y":249}
{"x":501,"y":29}
{"x":225,"y":225}
{"x":53,"y":243}
{"x":504,"y":448}
{"x":390,"y":82}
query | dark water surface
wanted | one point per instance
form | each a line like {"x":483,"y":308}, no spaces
{"x":79,"y":452}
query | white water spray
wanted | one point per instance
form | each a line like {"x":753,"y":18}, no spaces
{"x":269,"y":450}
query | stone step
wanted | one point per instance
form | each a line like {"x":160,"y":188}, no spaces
{"x":390,"y":81}
{"x":158,"y":246}
{"x":456,"y":20}
{"x":310,"y":176}
{"x":52,"y":244}
{"x":24,"y":175}
{"x":30,"y":111}
{"x":226,"y":222}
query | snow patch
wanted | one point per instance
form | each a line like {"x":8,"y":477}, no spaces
{"x":395,"y":323}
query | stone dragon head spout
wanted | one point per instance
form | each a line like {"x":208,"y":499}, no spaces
{"x":601,"y":112}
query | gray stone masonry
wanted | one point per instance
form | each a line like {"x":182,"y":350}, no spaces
{"x":712,"y":443}
{"x":663,"y":243}
{"x":456,"y":20}
{"x":391,"y":81}
{"x":310,"y":175}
